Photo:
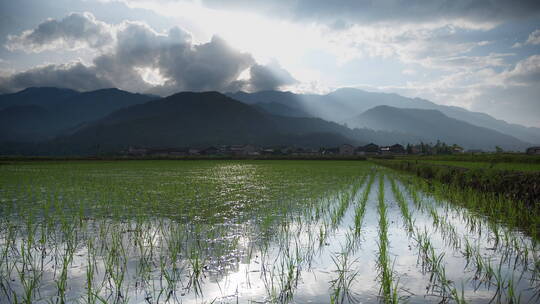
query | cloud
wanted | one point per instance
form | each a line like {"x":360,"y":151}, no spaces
{"x":76,"y":30}
{"x":526,"y":72}
{"x":409,"y":72}
{"x":467,"y":62}
{"x":340,"y":13}
{"x":73,"y":75}
{"x":209,"y":66}
{"x":269,"y":77}
{"x":171,"y":57}
{"x":534,"y":38}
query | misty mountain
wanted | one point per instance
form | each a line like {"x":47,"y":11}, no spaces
{"x":37,"y":114}
{"x":70,"y":122}
{"x":434,"y":125}
{"x":344,"y":104}
{"x":281,"y":109}
{"x":205,"y":119}
{"x":200,"y":119}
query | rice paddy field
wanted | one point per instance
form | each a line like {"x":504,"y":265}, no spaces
{"x":256,"y":232}
{"x":509,"y":166}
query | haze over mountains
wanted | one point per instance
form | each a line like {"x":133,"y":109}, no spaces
{"x":431,"y":124}
{"x":61,"y":121}
{"x":344,"y":104}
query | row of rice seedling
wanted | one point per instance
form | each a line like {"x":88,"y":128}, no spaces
{"x":501,"y":279}
{"x":360,"y":209}
{"x":502,"y":236}
{"x":181,"y":232}
{"x":389,"y":286}
{"x":506,"y":197}
{"x":430,"y":262}
{"x":344,"y":261}
{"x":125,"y":230}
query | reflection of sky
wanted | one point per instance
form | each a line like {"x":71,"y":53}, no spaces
{"x":243,"y":277}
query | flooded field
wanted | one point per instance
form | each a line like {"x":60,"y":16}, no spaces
{"x":251,"y":232}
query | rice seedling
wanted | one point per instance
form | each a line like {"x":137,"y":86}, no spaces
{"x":163,"y":231}
{"x":388,"y":286}
{"x":434,"y":264}
{"x":341,"y":285}
{"x":361,"y":207}
{"x":407,"y":218}
{"x":484,"y":272}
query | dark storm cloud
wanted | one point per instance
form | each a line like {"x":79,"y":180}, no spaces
{"x":269,"y":77}
{"x":342,"y":12}
{"x":75,"y":76}
{"x":185,"y":66}
{"x":73,"y":31}
{"x":180,"y":63}
{"x":210,"y":66}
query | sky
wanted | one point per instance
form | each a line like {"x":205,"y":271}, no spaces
{"x":483,"y":55}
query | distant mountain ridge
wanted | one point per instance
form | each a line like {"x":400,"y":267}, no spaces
{"x":61,"y":110}
{"x":58,"y":121}
{"x":200,"y":119}
{"x":434,"y":125}
{"x":346,"y":103}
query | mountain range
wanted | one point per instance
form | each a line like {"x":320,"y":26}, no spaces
{"x":61,"y":121}
{"x":434,"y":125}
{"x":344,"y":104}
{"x":38,"y":114}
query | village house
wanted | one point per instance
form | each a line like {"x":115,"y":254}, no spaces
{"x":251,"y":150}
{"x":194,"y":151}
{"x":133,"y":151}
{"x":179,"y":152}
{"x":371,"y":149}
{"x":359,"y":151}
{"x":268,"y":151}
{"x":298,"y":151}
{"x":243,"y":150}
{"x":397,"y":149}
{"x":209,"y":151}
{"x":161,"y":152}
{"x":168,"y":152}
{"x":330,"y":151}
{"x":533,"y":150}
{"x":346,"y":149}
{"x":457,"y":150}
{"x":384,"y":150}
{"x":305,"y":152}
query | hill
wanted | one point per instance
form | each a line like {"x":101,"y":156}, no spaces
{"x":200,"y":119}
{"x":40,"y":96}
{"x":37,"y":114}
{"x":434,"y":125}
{"x":109,"y":120}
{"x":347,"y":103}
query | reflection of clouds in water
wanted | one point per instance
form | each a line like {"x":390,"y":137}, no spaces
{"x":235,"y":258}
